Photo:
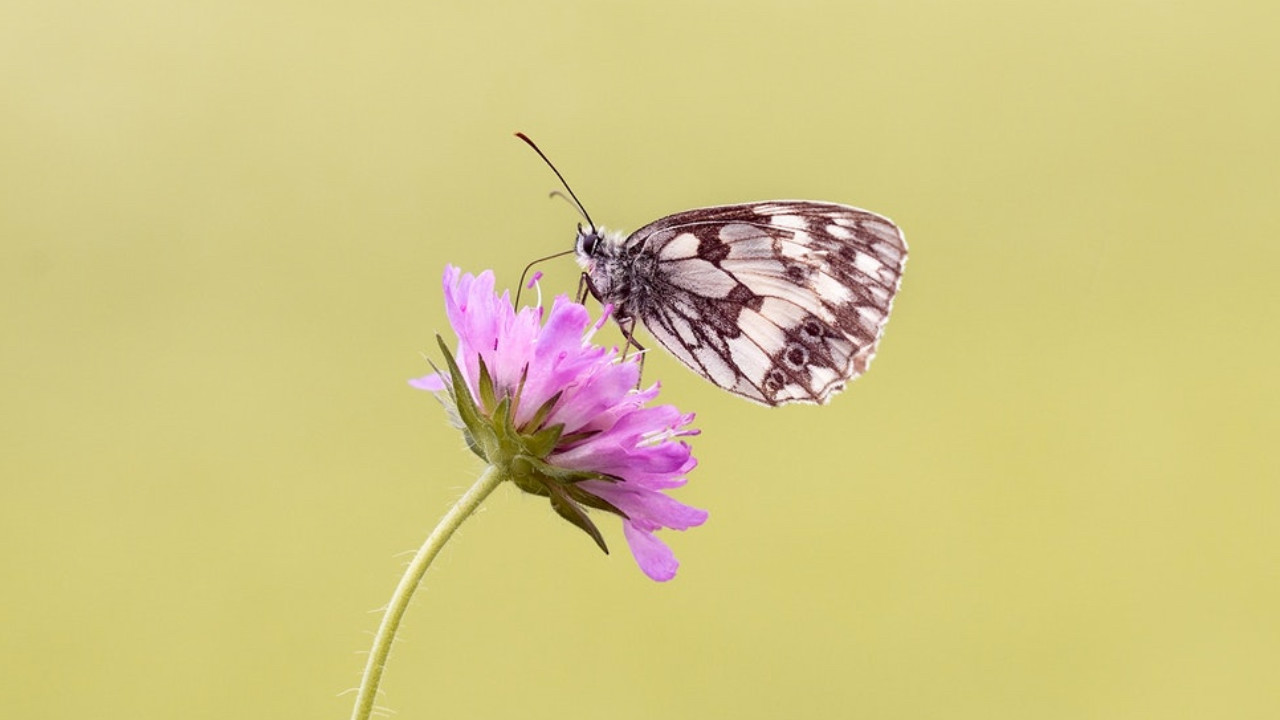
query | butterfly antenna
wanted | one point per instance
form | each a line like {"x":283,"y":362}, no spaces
{"x":523,"y":273}
{"x":572,"y":204}
{"x":551,"y":165}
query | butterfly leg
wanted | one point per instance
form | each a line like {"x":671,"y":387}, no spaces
{"x":628,"y":325}
{"x":625,"y":324}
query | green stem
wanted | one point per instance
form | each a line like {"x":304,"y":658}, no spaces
{"x":466,"y":505}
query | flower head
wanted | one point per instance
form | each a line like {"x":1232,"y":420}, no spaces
{"x":563,"y":417}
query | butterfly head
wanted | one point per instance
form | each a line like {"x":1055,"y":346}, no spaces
{"x":588,"y":241}
{"x":594,"y":245}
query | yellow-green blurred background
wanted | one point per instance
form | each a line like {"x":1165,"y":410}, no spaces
{"x":222,"y":228}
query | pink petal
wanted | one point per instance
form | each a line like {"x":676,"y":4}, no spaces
{"x":652,"y":555}
{"x":647,"y":507}
{"x":433,"y":382}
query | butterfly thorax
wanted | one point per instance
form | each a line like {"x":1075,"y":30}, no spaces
{"x":611,"y":270}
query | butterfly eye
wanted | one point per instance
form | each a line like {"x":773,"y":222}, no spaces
{"x":587,"y":241}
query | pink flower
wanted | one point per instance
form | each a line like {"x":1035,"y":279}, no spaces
{"x":563,"y":418}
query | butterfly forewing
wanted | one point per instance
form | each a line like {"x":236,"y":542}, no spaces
{"x":780,"y":301}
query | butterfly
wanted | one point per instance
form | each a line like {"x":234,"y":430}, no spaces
{"x":778,"y":301}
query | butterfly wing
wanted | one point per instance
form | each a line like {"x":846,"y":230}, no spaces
{"x":780,"y":301}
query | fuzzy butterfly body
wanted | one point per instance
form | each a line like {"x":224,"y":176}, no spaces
{"x":779,"y":301}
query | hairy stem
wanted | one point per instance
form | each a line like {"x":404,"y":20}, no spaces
{"x":460,"y":511}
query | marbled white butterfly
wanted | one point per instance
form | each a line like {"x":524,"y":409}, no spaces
{"x":777,"y":301}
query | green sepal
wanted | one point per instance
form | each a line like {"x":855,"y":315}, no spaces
{"x":574,"y":438}
{"x":527,"y":478}
{"x":593,"y":501}
{"x":472,"y":445}
{"x":541,"y":443}
{"x":565,"y":476}
{"x":479,"y":435}
{"x":524,"y":375}
{"x":569,"y":510}
{"x":540,"y":416}
{"x":501,"y":419}
{"x":486,"y":384}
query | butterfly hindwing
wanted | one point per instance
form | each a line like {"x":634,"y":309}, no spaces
{"x":780,"y":301}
